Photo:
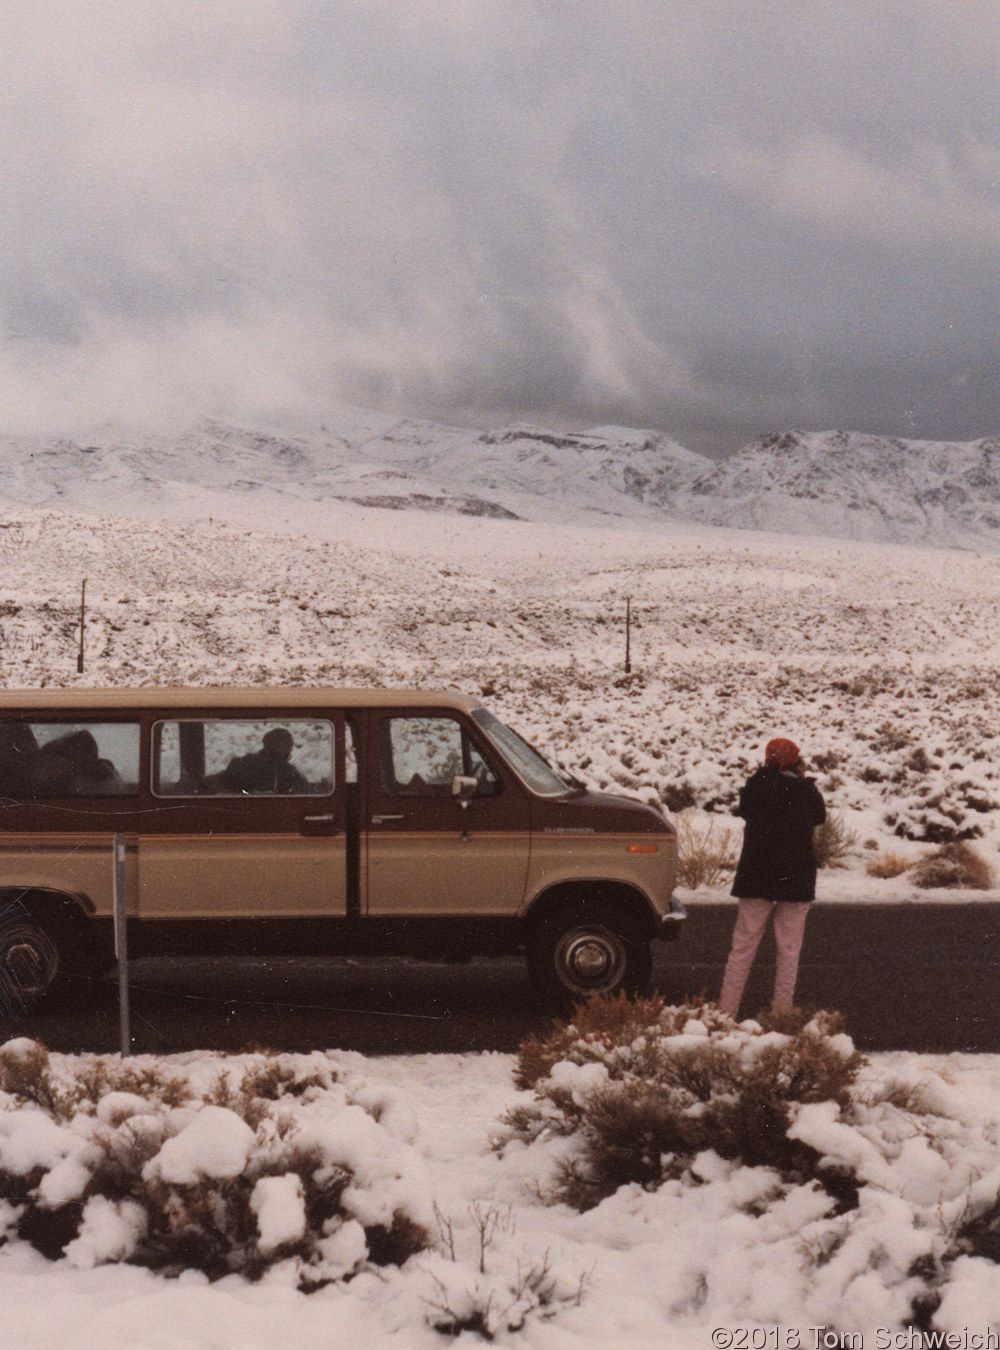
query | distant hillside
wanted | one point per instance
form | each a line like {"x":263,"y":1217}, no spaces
{"x":368,"y":459}
{"x":856,"y":486}
{"x":831,"y":483}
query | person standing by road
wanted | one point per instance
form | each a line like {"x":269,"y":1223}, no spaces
{"x":776,"y":872}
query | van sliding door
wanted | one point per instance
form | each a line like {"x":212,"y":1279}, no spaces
{"x":250,"y":818}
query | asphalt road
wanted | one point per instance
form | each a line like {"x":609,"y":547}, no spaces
{"x":915,"y":977}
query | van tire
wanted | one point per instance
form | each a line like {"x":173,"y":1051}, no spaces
{"x":587,"y":948}
{"x":46,"y":953}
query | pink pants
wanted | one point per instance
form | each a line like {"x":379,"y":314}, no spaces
{"x":751,"y":920}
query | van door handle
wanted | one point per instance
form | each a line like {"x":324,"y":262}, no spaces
{"x":380,"y":820}
{"x":318,"y":825}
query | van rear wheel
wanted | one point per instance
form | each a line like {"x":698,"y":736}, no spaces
{"x":585,"y":949}
{"x":42,"y":957}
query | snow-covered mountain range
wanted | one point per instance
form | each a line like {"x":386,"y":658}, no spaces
{"x":368,"y":459}
{"x":856,"y":486}
{"x":841,"y":484}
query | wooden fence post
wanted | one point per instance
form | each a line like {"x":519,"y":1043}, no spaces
{"x":83,"y":615}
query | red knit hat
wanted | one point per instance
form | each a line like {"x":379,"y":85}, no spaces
{"x":783,"y":754}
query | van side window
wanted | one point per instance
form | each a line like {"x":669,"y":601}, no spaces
{"x":69,"y":759}
{"x":421,"y":756}
{"x":240,"y":758}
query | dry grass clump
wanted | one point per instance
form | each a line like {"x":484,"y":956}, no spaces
{"x":646,"y":1088}
{"x":833,"y":841}
{"x":888,"y":865}
{"x":706,"y":854}
{"x":955,"y":864}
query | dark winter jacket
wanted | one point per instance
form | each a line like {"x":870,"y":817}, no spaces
{"x":261,"y":772}
{"x":777,"y":861}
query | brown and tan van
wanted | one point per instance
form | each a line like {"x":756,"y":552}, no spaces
{"x":313,"y":820}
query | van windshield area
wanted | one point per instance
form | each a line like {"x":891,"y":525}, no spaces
{"x":526,"y":762}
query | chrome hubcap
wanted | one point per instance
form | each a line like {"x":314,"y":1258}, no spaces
{"x":591,"y":961}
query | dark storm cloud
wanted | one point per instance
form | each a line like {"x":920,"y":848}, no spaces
{"x":714,"y":217}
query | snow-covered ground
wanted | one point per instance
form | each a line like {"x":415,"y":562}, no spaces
{"x":729,"y":1250}
{"x":881,"y":661}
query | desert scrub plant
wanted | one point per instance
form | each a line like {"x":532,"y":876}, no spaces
{"x":28,"y":1075}
{"x":706,"y":854}
{"x":483,"y":1281}
{"x":25,"y":1073}
{"x":645,"y":1088}
{"x":678,"y":797}
{"x":131,"y":1163}
{"x":266,"y":1080}
{"x":833,"y":841}
{"x":603,"y":1022}
{"x":955,"y":864}
{"x":977,"y":1232}
{"x":888,"y":865}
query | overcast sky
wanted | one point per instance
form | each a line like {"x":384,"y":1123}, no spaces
{"x":713,"y":217}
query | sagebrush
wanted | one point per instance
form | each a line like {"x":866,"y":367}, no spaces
{"x":954,"y":864}
{"x":645,"y":1088}
{"x":496,"y":1285}
{"x":132,"y":1170}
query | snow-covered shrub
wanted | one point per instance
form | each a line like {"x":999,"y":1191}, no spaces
{"x":277,"y":1162}
{"x":705,"y":854}
{"x":955,"y":864}
{"x":645,"y":1088}
{"x":603,"y":1023}
{"x":928,"y":816}
{"x":979,"y":1233}
{"x":27,"y":1074}
{"x":488,"y":1282}
{"x":678,"y":796}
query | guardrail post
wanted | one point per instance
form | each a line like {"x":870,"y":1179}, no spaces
{"x":121,"y":944}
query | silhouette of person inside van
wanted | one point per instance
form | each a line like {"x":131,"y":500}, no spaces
{"x":266,"y":770}
{"x":71,"y":766}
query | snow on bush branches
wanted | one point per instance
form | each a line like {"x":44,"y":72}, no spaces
{"x":265,"y":1160}
{"x":646,"y":1088}
{"x":874,"y":1189}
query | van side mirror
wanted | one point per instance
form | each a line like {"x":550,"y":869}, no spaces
{"x":464,"y":787}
